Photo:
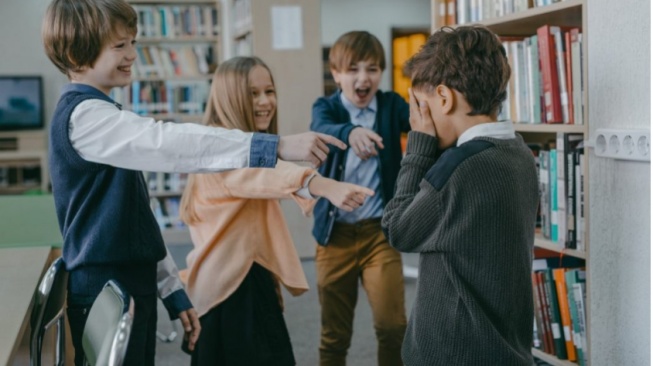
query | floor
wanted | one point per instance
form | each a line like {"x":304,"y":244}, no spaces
{"x":303,"y":320}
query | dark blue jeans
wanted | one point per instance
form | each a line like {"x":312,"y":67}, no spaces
{"x":142,"y":341}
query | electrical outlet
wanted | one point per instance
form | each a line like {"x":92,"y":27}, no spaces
{"x":623,"y":144}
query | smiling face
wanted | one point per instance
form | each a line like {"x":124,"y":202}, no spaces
{"x":359,"y":82}
{"x":112,"y":68}
{"x":264,"y":97}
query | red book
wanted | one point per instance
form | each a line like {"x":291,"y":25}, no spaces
{"x":545,"y":314}
{"x":550,"y":84}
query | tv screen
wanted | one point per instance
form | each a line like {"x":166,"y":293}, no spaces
{"x":21,"y":102}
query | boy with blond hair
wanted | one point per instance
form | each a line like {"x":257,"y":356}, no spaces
{"x":96,"y":153}
{"x":469,"y":211}
{"x":351,"y":244}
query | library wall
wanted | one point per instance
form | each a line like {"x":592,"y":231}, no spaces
{"x":375,"y":16}
{"x":20,"y":27}
{"x":619,"y":97}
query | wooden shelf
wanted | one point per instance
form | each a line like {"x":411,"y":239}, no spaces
{"x":164,"y":194}
{"x":159,"y":40}
{"x":549,"y":128}
{"x":178,"y":117}
{"x":525,"y":23}
{"x":173,"y":78}
{"x":553,"y":360}
{"x":173,"y":2}
{"x":22,"y":155}
{"x":19,"y":189}
{"x":540,"y":242}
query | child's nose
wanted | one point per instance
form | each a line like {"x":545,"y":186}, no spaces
{"x":131,"y":54}
{"x":263,"y":99}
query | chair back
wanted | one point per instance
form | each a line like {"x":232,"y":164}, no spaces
{"x":48,"y":310}
{"x":107,"y":329}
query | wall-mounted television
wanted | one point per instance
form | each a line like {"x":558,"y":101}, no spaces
{"x":21,"y":102}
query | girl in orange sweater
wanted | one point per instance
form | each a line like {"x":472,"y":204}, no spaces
{"x":242,"y":246}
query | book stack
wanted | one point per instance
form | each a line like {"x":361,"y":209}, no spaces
{"x":562,"y":197}
{"x":547,"y":83}
{"x":453,"y":12}
{"x":177,"y":21}
{"x":560,"y":312}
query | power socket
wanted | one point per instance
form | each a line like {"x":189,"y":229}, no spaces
{"x":623,"y":144}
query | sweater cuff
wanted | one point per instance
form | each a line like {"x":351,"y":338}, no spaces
{"x":263,"y":151}
{"x":176,"y":302}
{"x":422,"y":144}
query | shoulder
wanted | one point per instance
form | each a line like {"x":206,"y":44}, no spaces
{"x":90,"y":107}
{"x":390,"y":97}
{"x":327,"y":102}
{"x":453,"y":158}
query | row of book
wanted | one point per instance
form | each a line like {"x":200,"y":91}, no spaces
{"x":166,"y":212}
{"x":560,"y":322}
{"x":165,"y":195}
{"x":242,"y":15}
{"x":452,"y":12}
{"x":177,"y":21}
{"x":561,"y":169}
{"x":403,"y":48}
{"x":172,"y":96}
{"x":546,"y":85}
{"x":165,"y":183}
{"x":166,"y":61}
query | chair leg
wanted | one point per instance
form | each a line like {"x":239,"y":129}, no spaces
{"x":35,"y":348}
{"x":61,"y":342}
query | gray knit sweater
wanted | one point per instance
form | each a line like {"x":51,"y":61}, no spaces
{"x":471,"y":216}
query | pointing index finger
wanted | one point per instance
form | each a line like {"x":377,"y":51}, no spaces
{"x":332,"y":140}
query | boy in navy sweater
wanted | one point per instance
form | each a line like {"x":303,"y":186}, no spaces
{"x":96,"y":154}
{"x":351,"y":244}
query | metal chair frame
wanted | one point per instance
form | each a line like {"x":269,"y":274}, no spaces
{"x":117,"y":347}
{"x":48,"y":310}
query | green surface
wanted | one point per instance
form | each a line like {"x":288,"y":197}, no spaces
{"x":28,"y":220}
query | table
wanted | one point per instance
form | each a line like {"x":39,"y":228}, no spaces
{"x":21,"y":269}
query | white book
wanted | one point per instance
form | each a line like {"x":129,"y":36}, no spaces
{"x":577,"y":77}
{"x":558,"y":37}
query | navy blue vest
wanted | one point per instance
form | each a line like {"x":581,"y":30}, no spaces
{"x":108,"y":228}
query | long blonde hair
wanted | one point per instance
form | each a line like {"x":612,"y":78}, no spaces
{"x":230,"y":105}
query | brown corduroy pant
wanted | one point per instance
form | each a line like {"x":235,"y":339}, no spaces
{"x":360,"y":251}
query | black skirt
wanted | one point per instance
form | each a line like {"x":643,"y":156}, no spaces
{"x":246,"y":329}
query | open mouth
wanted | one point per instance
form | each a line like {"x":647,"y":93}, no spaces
{"x":362,"y":93}
{"x":262,"y":113}
{"x":127,"y":68}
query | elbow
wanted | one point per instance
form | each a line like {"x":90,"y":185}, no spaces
{"x":390,"y":232}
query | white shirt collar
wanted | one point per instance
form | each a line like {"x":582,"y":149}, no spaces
{"x":498,"y":130}
{"x":354,"y":110}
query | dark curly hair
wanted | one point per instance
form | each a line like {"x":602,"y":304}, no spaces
{"x":469,"y":59}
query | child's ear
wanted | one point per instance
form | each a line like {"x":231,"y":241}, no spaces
{"x":336,"y":76}
{"x":445,"y":98}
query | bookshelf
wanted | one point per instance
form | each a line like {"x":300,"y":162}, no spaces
{"x":23,"y":162}
{"x":179,"y":47}
{"x":513,"y":19}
